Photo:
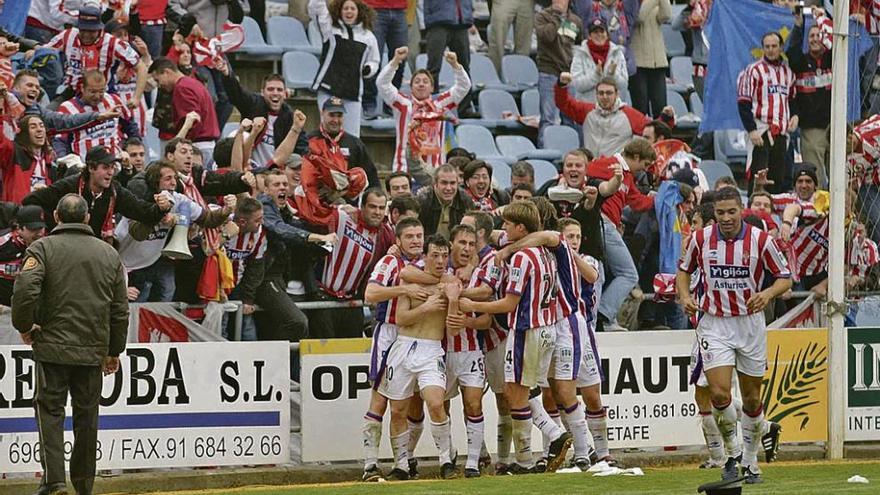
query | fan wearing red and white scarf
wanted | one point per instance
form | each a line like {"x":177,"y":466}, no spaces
{"x":212,"y":237}
{"x":426,"y":130}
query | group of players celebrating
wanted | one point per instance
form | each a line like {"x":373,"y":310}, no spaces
{"x":515,"y":309}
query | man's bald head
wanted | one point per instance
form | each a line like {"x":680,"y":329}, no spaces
{"x":72,"y":209}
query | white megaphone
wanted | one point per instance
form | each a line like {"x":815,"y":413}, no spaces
{"x":178,"y":247}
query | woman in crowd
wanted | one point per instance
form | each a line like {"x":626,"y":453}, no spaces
{"x":350,"y":53}
{"x":597,"y":57}
{"x":26,"y":163}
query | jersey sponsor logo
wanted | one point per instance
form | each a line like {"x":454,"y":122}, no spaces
{"x":777,"y":89}
{"x":729,"y":271}
{"x":818,"y":238}
{"x":515,"y":273}
{"x":237,"y":254}
{"x":362,"y":240}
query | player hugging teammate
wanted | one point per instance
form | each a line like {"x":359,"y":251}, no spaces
{"x":463,"y":315}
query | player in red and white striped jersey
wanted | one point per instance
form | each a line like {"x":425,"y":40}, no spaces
{"x":383,"y":289}
{"x":109,"y":133}
{"x":124,"y":77}
{"x":246,"y":250}
{"x":530,"y":299}
{"x":733,"y":258}
{"x":88,"y":47}
{"x":765,"y":90}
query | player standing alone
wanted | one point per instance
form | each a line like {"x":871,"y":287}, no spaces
{"x":734,"y":258}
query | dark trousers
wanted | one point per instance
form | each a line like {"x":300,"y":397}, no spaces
{"x":771,"y":157}
{"x":437,"y":38}
{"x":279,"y":319}
{"x":155,"y":282}
{"x":648,"y":90}
{"x":392,"y":33}
{"x":54,"y":381}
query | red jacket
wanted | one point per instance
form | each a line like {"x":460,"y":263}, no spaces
{"x":190,"y":95}
{"x":17,"y":180}
{"x":627,"y":195}
{"x":387,"y":4}
{"x":152,"y":10}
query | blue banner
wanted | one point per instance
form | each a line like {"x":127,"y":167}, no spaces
{"x":734,"y":30}
{"x":13,"y":15}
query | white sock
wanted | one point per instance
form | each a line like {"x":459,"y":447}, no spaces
{"x":753,"y":429}
{"x":372,"y":433}
{"x":543,"y":421}
{"x":505,"y":433}
{"x":576,"y":423}
{"x":725,"y":418}
{"x":415,"y":427}
{"x":597,"y":421}
{"x":522,"y":436}
{"x":738,"y":405}
{"x":398,"y":449}
{"x":440,"y":432}
{"x":474,"y":426}
{"x":713,"y":437}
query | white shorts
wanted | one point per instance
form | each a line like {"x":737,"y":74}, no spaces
{"x":464,"y":369}
{"x":413,"y":364}
{"x":739,"y":341}
{"x":528,"y":356}
{"x":590,"y":369}
{"x":697,"y":373}
{"x":571,"y":338}
{"x":384,"y":335}
{"x":495,"y":368}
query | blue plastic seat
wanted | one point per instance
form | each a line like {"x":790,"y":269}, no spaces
{"x":714,"y":170}
{"x":731,"y":145}
{"x":560,"y":138}
{"x":544,"y":171}
{"x":478,"y":140}
{"x":254,"y":45}
{"x":696,"y":104}
{"x":519,"y":71}
{"x":289,"y":34}
{"x":684,"y":118}
{"x":315,"y":38}
{"x":530,"y":102}
{"x":673,"y":41}
{"x":447,"y":78}
{"x":500,"y":173}
{"x":521,"y":148}
{"x":682,"y":71}
{"x":229,"y":129}
{"x":299,"y":69}
{"x":484,"y":76}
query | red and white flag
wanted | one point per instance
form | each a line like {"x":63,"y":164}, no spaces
{"x":206,"y":50}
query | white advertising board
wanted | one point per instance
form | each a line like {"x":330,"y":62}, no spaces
{"x":169,"y":405}
{"x":646,"y":391}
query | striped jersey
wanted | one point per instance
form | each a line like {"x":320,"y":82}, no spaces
{"x":733,"y":269}
{"x":387,"y":274}
{"x":809,"y":249}
{"x":588,"y":291}
{"x":124,"y":85}
{"x":768,"y":87}
{"x":862,"y":253}
{"x":107,"y":133}
{"x":243,"y":248}
{"x":865,"y":166}
{"x":532,"y":276}
{"x":346,"y":266}
{"x":495,"y":277}
{"x":100,"y":55}
{"x":569,"y":281}
{"x":469,"y":338}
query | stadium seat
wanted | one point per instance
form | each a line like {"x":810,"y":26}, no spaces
{"x":714,"y":170}
{"x":494,"y":104}
{"x":254,"y":45}
{"x":521,"y":148}
{"x":684,"y":119}
{"x":731,"y":145}
{"x":626,"y":97}
{"x":544,"y":171}
{"x":696,"y":104}
{"x":447,"y":78}
{"x":300,"y":69}
{"x":673,"y":41}
{"x":484,"y":76}
{"x":677,"y":8}
{"x":289,"y":34}
{"x":315,"y":35}
{"x":152,"y":143}
{"x":682,"y":71}
{"x":229,"y":129}
{"x":530,"y":102}
{"x":500,"y":173}
{"x":520,"y":71}
{"x":560,"y":138}
{"x":478,"y":140}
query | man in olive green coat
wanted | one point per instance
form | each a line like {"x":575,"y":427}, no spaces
{"x":70,"y":304}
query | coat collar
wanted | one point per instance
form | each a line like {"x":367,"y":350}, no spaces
{"x":73,"y":228}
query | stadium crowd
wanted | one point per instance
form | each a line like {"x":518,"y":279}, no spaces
{"x":286,"y":210}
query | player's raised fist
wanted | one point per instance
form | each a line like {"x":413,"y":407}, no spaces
{"x":400,"y":54}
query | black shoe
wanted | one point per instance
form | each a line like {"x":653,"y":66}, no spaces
{"x":517,"y":469}
{"x":730,"y":471}
{"x":53,"y":489}
{"x":398,"y":474}
{"x":770,"y":442}
{"x":541,"y":465}
{"x":582,"y":463}
{"x":558,"y":449}
{"x":453,"y":457}
{"x":447,"y":471}
{"x":413,"y":468}
{"x":502,"y":469}
{"x":372,"y":474}
{"x":471,"y":473}
{"x":594,"y":456}
{"x":753,"y":477}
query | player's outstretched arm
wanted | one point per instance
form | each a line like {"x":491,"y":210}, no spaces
{"x":377,"y":293}
{"x":505,"y":305}
{"x":546,"y":238}
{"x":413,"y":275}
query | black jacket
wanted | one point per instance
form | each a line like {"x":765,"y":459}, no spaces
{"x":127,"y":204}
{"x":813,"y":104}
{"x":289,"y":254}
{"x":430,"y":209}
{"x":251,"y":105}
{"x":207,"y":182}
